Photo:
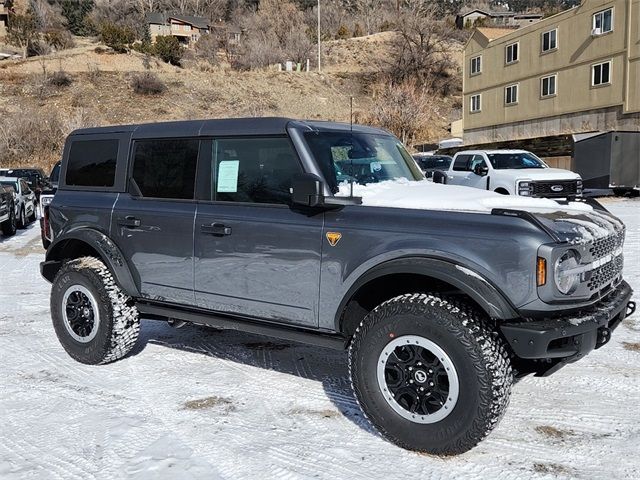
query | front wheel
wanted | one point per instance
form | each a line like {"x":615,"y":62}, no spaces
{"x":430,"y":374}
{"x":94,"y":320}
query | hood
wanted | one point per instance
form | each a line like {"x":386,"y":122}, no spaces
{"x":425,"y":195}
{"x":574,"y":222}
{"x":542,"y":173}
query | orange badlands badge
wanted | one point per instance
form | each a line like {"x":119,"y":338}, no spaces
{"x":334,"y":238}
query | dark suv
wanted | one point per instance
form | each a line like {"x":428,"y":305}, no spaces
{"x":251,"y":224}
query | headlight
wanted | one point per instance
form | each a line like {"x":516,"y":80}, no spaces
{"x":46,"y":200}
{"x":524,"y":188}
{"x":564,"y":272}
{"x":579,"y":187}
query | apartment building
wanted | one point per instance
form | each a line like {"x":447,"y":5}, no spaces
{"x":4,"y":18}
{"x":577,"y":71}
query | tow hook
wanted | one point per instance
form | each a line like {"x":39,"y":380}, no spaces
{"x":631,"y":308}
{"x":604,"y":335}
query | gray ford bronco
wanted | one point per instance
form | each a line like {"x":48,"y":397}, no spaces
{"x":251,"y":224}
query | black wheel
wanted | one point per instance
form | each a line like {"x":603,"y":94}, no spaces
{"x":10,"y":226}
{"x":429,"y":373}
{"x":94,"y":320}
{"x":33,"y":217}
{"x":22,"y":219}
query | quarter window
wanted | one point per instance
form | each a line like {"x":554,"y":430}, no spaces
{"x":511,"y":95}
{"x":603,"y":21}
{"x":476,"y":65}
{"x":92,"y":163}
{"x":166,"y":168}
{"x":512,"y":53}
{"x":550,"y":40}
{"x":476,"y":103}
{"x":548,"y":86}
{"x":253,"y":170}
{"x":601,"y":74}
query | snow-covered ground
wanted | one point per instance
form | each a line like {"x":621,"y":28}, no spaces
{"x":199,"y":403}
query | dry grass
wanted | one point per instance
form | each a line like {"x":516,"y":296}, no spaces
{"x":632,"y":347}
{"x":101,"y":94}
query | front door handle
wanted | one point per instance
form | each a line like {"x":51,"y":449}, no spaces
{"x":129,"y":222}
{"x":217,"y":229}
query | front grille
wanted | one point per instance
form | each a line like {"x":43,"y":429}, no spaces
{"x":548,"y":189}
{"x":603,"y":275}
{"x":607,"y":245}
{"x":608,"y":248}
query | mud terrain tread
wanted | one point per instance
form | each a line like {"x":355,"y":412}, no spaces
{"x":125,"y":320}
{"x":486,"y":349}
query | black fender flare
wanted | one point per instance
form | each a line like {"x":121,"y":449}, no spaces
{"x":481,"y":290}
{"x":109,"y":253}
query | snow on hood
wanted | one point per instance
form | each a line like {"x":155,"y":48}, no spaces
{"x":425,"y":195}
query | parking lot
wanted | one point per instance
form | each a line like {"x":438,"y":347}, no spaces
{"x":201,"y":403}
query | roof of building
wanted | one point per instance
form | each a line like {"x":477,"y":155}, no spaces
{"x":158,"y":18}
{"x":224,"y":127}
{"x":494,"y":33}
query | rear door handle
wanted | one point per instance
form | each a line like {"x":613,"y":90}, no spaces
{"x":217,"y":229}
{"x":129,"y":222}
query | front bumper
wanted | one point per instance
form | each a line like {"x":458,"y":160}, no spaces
{"x":552,"y":343}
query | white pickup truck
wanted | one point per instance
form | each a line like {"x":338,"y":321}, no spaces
{"x":511,"y":172}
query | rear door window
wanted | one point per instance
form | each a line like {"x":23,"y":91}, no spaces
{"x":166,"y":168}
{"x":92,"y":163}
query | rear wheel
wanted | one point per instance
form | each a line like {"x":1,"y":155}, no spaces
{"x":430,"y":374}
{"x":10,"y":226}
{"x":94,"y":320}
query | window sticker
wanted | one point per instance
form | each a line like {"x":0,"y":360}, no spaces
{"x":228,"y":176}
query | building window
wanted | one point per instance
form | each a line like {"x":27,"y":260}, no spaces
{"x":511,"y":53}
{"x":476,"y":65}
{"x":548,"y":86}
{"x":603,"y":21}
{"x":511,"y":95}
{"x":475,"y":103}
{"x":601,"y":74}
{"x":550,"y":40}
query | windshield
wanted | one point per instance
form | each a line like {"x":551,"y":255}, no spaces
{"x":361,"y":158}
{"x":503,"y":161}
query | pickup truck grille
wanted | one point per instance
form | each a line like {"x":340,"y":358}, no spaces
{"x":548,"y":189}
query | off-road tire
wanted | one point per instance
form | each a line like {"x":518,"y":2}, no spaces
{"x":478,"y":354}
{"x":22,"y":220}
{"x":9,"y":226}
{"x":118,"y":325}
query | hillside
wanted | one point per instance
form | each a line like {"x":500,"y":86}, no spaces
{"x":100,"y":92}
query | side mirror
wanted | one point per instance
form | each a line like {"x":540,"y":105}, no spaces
{"x":481,"y":170}
{"x":307,"y":190}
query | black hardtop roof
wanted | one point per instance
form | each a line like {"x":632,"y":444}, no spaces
{"x":226,"y":126}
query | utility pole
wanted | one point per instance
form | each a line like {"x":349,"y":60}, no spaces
{"x":319,"y":67}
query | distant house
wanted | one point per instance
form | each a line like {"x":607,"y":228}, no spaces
{"x":476,"y":17}
{"x":4,"y":18}
{"x":186,"y":28}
